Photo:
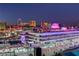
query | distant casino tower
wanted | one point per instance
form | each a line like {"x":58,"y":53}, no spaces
{"x":32,"y":23}
{"x":44,"y":24}
{"x":19,"y":21}
{"x":3,"y":25}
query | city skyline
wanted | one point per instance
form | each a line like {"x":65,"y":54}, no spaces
{"x":61,"y":13}
{"x":39,"y":29}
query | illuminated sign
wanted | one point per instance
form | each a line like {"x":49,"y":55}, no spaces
{"x":55,"y":26}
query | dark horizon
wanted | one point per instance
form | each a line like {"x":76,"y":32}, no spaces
{"x":62,"y":13}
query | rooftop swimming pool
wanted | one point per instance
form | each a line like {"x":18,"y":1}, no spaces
{"x":72,"y":53}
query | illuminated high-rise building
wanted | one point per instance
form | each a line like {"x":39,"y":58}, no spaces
{"x":32,"y":23}
{"x":44,"y":24}
{"x":3,"y":25}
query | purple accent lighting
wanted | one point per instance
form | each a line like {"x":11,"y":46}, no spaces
{"x":55,"y":26}
{"x":22,"y":39}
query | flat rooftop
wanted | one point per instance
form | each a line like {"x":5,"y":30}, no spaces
{"x":53,"y":33}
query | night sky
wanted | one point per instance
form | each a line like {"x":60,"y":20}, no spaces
{"x":62,"y":13}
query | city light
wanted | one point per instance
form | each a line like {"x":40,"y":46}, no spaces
{"x":50,"y":37}
{"x":23,"y":39}
{"x":55,"y":26}
{"x":64,"y":28}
